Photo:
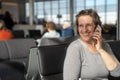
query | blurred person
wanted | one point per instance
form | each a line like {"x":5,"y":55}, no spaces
{"x":5,"y":33}
{"x":51,"y":30}
{"x":89,"y":57}
{"x":8,"y":20}
{"x":67,"y":29}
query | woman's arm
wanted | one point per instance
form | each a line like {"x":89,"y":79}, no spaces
{"x":109,"y":60}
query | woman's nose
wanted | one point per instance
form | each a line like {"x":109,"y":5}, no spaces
{"x":84,"y":28}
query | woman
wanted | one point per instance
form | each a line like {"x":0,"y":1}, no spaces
{"x":5,"y":34}
{"x":51,"y":28}
{"x":88,"y":57}
{"x":50,"y":32}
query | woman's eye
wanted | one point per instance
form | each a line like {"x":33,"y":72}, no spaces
{"x":89,"y":25}
{"x":80,"y":26}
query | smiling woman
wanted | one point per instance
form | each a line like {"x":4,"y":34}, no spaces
{"x":89,"y":57}
{"x":86,"y":27}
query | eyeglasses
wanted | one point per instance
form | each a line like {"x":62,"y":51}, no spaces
{"x":87,"y":25}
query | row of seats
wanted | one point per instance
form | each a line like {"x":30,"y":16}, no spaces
{"x":36,"y":34}
{"x":53,"y":46}
{"x":14,"y":58}
{"x":16,"y":52}
{"x":31,"y":34}
{"x":44,"y":62}
{"x":51,"y":54}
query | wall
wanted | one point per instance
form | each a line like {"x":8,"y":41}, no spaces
{"x":17,"y":10}
{"x":21,"y":7}
{"x":12,"y":8}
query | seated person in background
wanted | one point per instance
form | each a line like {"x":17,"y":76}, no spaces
{"x":51,"y":28}
{"x":5,"y":33}
{"x":67,"y":30}
{"x":9,"y":22}
{"x":51,"y":32}
{"x":89,"y":57}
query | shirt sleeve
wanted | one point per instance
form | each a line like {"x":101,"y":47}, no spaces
{"x":45,"y":35}
{"x":72,"y":64}
{"x":116,"y":71}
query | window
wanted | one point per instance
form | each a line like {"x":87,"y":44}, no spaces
{"x":59,"y":10}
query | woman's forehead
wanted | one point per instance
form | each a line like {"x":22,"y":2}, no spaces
{"x":85,"y":19}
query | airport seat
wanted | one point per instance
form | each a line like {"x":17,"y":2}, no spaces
{"x":34,"y":34}
{"x":18,"y":33}
{"x":3,"y":51}
{"x":18,"y":49}
{"x":11,"y":70}
{"x":14,"y":58}
{"x":51,"y":60}
{"x":33,"y":65}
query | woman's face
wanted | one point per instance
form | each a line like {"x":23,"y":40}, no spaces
{"x":86,"y":27}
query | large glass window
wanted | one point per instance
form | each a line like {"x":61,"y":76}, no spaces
{"x":90,"y":4}
{"x":59,"y":10}
{"x":79,"y":5}
{"x":106,"y":9}
{"x":111,"y":11}
{"x":101,"y":9}
{"x":64,"y":10}
{"x":53,"y":10}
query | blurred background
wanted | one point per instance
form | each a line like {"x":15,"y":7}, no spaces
{"x":36,"y":12}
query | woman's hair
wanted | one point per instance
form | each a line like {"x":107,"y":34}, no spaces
{"x":2,"y":25}
{"x":51,"y":25}
{"x":89,"y":12}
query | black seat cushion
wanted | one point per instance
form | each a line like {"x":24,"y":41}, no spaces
{"x":115,"y":46}
{"x":10,"y":70}
{"x":35,"y":34}
{"x":52,"y":58}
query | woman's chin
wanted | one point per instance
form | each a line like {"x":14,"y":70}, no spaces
{"x":86,"y":39}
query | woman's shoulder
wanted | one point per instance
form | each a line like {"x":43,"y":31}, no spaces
{"x":75,"y":43}
{"x":46,"y":34}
